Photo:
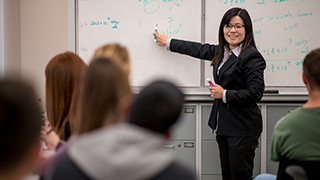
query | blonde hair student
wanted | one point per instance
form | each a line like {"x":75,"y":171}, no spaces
{"x":118,"y":52}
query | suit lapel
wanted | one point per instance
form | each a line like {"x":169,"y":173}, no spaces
{"x":230,"y":61}
{"x":215,"y":70}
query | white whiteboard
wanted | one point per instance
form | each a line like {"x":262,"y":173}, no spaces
{"x":285,"y":30}
{"x":131,"y":23}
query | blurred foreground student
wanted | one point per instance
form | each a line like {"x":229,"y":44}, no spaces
{"x":117,"y":53}
{"x":63,"y":77}
{"x":296,"y":137}
{"x":104,"y":101}
{"x":63,"y":73}
{"x":20,"y":126}
{"x":132,"y":151}
{"x":153,"y":113}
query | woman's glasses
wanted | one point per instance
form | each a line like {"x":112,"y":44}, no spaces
{"x":236,"y":26}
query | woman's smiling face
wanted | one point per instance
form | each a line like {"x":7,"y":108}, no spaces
{"x":234,"y":32}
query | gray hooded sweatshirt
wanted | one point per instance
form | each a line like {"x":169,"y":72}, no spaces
{"x":125,"y":152}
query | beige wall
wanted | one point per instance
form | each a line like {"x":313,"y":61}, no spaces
{"x":43,"y":34}
{"x":12,"y":37}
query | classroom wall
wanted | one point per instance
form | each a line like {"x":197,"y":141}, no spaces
{"x":43,"y":34}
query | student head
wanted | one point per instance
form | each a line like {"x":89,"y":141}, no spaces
{"x":311,"y":70}
{"x":232,"y":36}
{"x":119,"y":54}
{"x":104,"y":94}
{"x":63,"y":77}
{"x":20,"y":126}
{"x":157,"y":107}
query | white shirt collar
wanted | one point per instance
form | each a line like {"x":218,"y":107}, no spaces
{"x":236,"y":51}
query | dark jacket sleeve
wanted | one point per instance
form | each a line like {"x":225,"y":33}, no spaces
{"x":194,"y":49}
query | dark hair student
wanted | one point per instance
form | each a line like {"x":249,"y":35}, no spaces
{"x":20,"y":125}
{"x":238,"y":73}
{"x":157,"y":107}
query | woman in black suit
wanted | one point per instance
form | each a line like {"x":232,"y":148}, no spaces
{"x":238,"y":70}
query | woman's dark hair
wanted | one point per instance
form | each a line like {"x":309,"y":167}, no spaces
{"x":248,"y":40}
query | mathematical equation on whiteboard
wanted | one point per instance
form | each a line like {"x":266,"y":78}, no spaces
{"x":108,"y":22}
{"x":113,"y":24}
{"x":282,"y":16}
{"x":282,"y":54}
{"x":149,"y":7}
{"x":274,"y":66}
{"x":291,"y":42}
{"x":302,"y":45}
{"x":152,"y":6}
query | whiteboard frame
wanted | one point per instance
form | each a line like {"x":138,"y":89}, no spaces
{"x":72,"y":25}
{"x":203,"y":89}
{"x":2,"y":41}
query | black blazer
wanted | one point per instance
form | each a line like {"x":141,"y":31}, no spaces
{"x":243,"y":79}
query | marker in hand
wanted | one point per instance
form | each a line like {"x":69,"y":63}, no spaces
{"x":210,"y":82}
{"x":154,"y":36}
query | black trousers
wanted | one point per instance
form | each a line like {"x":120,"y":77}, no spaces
{"x":236,"y":156}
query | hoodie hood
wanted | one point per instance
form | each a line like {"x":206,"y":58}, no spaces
{"x":121,"y":152}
